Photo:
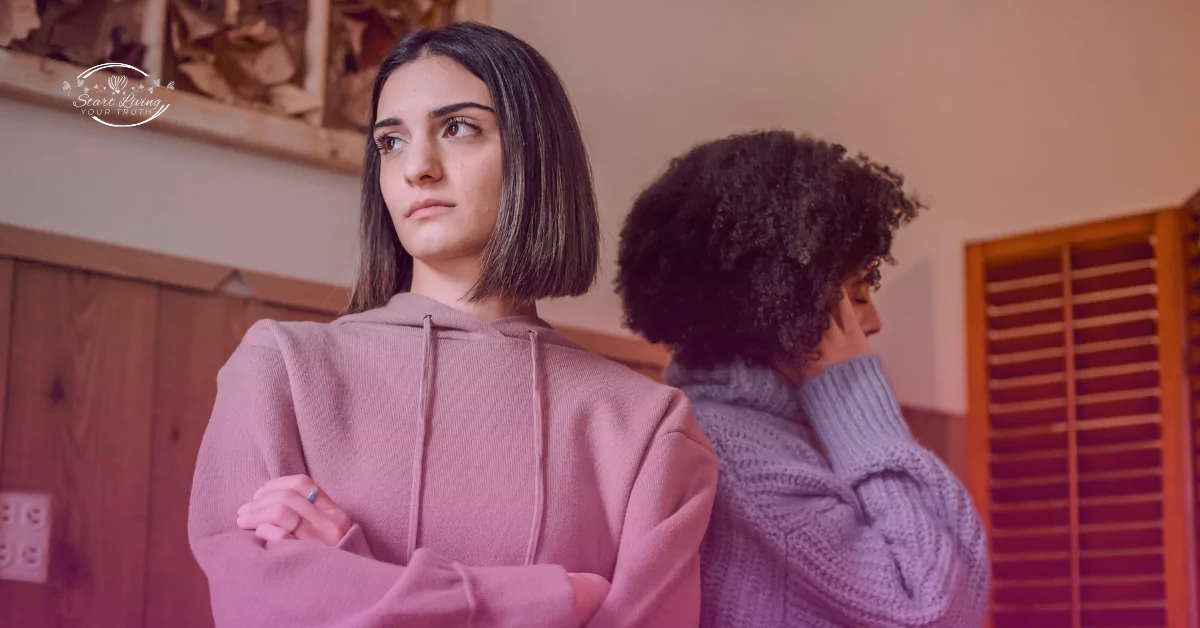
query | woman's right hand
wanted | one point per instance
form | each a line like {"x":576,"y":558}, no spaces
{"x":280,"y":511}
{"x":590,"y":591}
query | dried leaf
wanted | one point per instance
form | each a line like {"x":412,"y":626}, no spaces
{"x":206,"y":78}
{"x":237,"y":66}
{"x":185,"y":51}
{"x":274,"y":65}
{"x":196,"y":25}
{"x":212,"y":10}
{"x":18,"y":18}
{"x":364,"y":33}
{"x":293,"y":101}
{"x":378,"y":39}
{"x":354,"y":35}
{"x":82,"y":34}
{"x":251,"y":68}
{"x":123,"y":51}
{"x":288,"y":16}
{"x":356,"y":90}
{"x":242,"y":46}
{"x":260,"y":32}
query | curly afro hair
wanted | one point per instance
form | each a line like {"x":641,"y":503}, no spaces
{"x":740,"y":249}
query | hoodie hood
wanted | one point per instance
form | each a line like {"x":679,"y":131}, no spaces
{"x":438,"y":320}
{"x":408,"y":309}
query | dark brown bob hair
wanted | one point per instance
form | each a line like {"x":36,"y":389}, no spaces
{"x":546,"y":239}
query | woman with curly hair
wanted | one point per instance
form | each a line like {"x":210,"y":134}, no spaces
{"x":753,"y":257}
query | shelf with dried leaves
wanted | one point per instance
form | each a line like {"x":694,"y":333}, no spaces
{"x":288,"y":78}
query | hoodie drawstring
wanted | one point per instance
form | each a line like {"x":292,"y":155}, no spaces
{"x":418,"y":472}
{"x":539,"y":448}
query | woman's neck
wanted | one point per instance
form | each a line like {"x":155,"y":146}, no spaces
{"x":450,"y":284}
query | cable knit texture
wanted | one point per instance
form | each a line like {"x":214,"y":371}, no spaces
{"x":481,"y":462}
{"x":828,"y":513}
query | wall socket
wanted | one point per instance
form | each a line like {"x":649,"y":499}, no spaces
{"x":24,"y":536}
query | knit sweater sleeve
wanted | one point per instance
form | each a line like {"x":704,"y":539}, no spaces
{"x":911,"y":549}
{"x":251,"y":438}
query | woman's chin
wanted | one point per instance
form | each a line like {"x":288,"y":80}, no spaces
{"x":441,"y":253}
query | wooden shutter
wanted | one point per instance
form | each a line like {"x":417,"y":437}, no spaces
{"x":1080,"y":456}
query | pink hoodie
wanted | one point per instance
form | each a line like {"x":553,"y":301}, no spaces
{"x":480,"y":461}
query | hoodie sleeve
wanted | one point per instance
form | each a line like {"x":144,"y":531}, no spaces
{"x":891,"y":538}
{"x":251,"y":438}
{"x":656,"y":581}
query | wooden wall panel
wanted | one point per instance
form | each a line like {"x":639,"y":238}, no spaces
{"x":78,"y":426}
{"x":941,"y":433}
{"x":197,"y":332}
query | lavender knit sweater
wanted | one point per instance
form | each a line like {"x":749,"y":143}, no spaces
{"x":855,"y":526}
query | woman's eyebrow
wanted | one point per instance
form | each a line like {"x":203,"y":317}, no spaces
{"x":437,"y":113}
{"x":449,"y":109}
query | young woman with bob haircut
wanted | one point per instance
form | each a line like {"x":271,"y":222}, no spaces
{"x":440,"y":456}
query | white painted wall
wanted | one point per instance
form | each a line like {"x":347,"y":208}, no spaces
{"x":136,"y":187}
{"x":1008,"y":116}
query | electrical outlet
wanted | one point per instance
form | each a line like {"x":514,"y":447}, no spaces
{"x":24,"y":536}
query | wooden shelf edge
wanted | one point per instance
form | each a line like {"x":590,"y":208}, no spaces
{"x":39,"y":81}
{"x":121,"y":261}
{"x":79,"y":253}
{"x":633,"y":350}
{"x":302,"y":293}
{"x":83,"y":254}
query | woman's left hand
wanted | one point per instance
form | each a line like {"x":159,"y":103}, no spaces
{"x":280,"y":511}
{"x":844,"y":340}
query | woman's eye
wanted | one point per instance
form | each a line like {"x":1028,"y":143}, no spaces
{"x":387,"y":143}
{"x":457,"y":128}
